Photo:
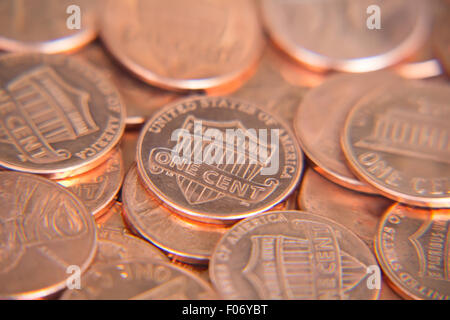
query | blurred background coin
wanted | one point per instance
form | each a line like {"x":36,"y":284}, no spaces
{"x":342,"y":35}
{"x":47,"y":26}
{"x":291,"y":255}
{"x":44,"y":229}
{"x":242,"y":160}
{"x":412,"y":247}
{"x":184,"y":240}
{"x":58,"y":115}
{"x":397,"y":140}
{"x":98,"y":188}
{"x":182,"y":45}
{"x":441,"y":40}
{"x":140,"y":280}
{"x":321,"y":116}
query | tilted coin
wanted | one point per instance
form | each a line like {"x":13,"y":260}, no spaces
{"x":268,"y":88}
{"x":423,"y":63}
{"x":58,"y":115}
{"x":129,"y":147}
{"x":183,"y":45}
{"x":320,"y":118}
{"x":98,"y":187}
{"x":340,"y":34}
{"x":397,"y":139}
{"x":441,"y":40}
{"x":141,"y":100}
{"x":413,"y":249}
{"x":46,"y":26}
{"x":356,"y":211}
{"x":183,"y":240}
{"x":291,"y":255}
{"x":218,"y":159}
{"x":44,"y":229}
{"x":140,"y":280}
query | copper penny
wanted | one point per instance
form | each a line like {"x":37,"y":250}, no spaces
{"x":98,"y":188}
{"x":412,"y":247}
{"x":423,"y":63}
{"x":183,"y":240}
{"x":335,"y":35}
{"x":58,"y":115}
{"x":242,"y":160}
{"x":271,"y":91}
{"x":320,"y":118}
{"x":141,"y":100}
{"x":397,"y":139}
{"x":291,"y":255}
{"x":356,"y":211}
{"x":441,"y":39}
{"x":43,"y":25}
{"x":140,"y":280}
{"x":183,"y":45}
{"x":129,"y":147}
{"x":44,"y":229}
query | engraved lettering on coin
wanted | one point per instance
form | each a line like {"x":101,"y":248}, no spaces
{"x":140,"y":280}
{"x":220,"y":191}
{"x":48,"y":122}
{"x":43,"y":230}
{"x":397,"y":139}
{"x":413,"y":249}
{"x":291,"y":255}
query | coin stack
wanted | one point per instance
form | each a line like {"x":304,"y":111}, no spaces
{"x":228,"y":149}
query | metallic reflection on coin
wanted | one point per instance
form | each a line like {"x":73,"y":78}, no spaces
{"x":397,"y":139}
{"x":186,"y":241}
{"x":140,"y":280}
{"x":412,"y":247}
{"x":44,"y":229}
{"x":113,"y":220}
{"x":291,"y":255}
{"x":268,"y":88}
{"x":98,"y":187}
{"x":320,"y":118}
{"x":441,"y":40}
{"x":129,"y":147}
{"x":42,"y":25}
{"x":356,"y":211}
{"x":58,"y":116}
{"x":183,"y":45}
{"x":141,"y":100}
{"x":242,"y":160}
{"x":333,"y":34}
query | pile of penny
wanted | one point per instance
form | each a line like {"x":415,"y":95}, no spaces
{"x":228,"y":149}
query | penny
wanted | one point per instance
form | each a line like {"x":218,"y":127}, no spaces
{"x":140,"y":99}
{"x":43,"y":25}
{"x":129,"y":147}
{"x":58,"y":115}
{"x":98,"y":188}
{"x":184,"y":240}
{"x":441,"y":40}
{"x":218,"y":159}
{"x":339,"y":35}
{"x":141,"y":279}
{"x":291,"y":255}
{"x":184,"y":46}
{"x":202,"y":271}
{"x":423,"y":63}
{"x":44,"y":229}
{"x":397,"y":140}
{"x":268,"y":88}
{"x":320,"y":118}
{"x":356,"y":211}
{"x":412,"y":248}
